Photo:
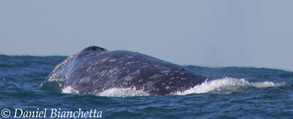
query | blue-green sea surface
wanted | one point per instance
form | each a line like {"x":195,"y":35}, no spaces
{"x":231,"y":92}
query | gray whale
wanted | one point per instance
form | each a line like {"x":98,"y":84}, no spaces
{"x":94,"y":70}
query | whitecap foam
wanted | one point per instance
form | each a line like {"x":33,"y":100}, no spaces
{"x":122,"y":92}
{"x":112,"y":92}
{"x":227,"y":85}
{"x":267,"y":84}
{"x":69,"y":89}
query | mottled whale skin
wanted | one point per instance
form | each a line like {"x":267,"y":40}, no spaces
{"x":94,"y":70}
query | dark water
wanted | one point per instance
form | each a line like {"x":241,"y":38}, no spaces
{"x":230,"y":93}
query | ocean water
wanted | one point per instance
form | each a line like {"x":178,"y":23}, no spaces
{"x":231,"y":92}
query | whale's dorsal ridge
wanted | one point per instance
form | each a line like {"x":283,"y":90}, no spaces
{"x":91,"y":50}
{"x":94,"y":48}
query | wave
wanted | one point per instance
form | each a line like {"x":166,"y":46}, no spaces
{"x":223,"y":86}
{"x":227,"y":85}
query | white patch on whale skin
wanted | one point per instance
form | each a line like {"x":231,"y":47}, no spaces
{"x":155,"y":76}
{"x":104,"y":59}
{"x":85,"y":80}
{"x":112,"y":60}
{"x":128,"y":78}
{"x":136,"y":72}
{"x":120,"y":62}
{"x":122,"y":92}
{"x":165,"y":71}
{"x":103,"y":72}
{"x":115,"y":69}
{"x":88,"y":69}
{"x":140,"y":80}
{"x":145,"y":65}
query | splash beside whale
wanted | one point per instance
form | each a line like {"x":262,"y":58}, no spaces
{"x":94,"y":70}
